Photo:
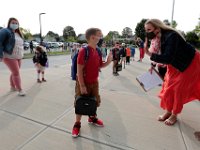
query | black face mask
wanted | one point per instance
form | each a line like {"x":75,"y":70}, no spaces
{"x":99,"y":44}
{"x":150,"y":35}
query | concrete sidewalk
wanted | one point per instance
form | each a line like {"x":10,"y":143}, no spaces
{"x":43,"y":119}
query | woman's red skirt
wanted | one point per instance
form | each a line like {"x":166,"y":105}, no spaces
{"x":181,"y":87}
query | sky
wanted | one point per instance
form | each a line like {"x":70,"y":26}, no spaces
{"x":108,"y":15}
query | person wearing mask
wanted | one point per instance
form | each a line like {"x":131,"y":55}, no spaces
{"x":116,"y":58}
{"x":140,"y":44}
{"x":87,"y":76}
{"x":182,"y":81}
{"x":11,"y":53}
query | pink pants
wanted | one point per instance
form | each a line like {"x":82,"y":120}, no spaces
{"x":14,"y":65}
{"x":141,"y":53}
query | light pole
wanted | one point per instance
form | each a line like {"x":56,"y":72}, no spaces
{"x":172,"y":12}
{"x":40,"y":27}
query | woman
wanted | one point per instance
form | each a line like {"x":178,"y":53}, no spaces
{"x":182,"y":81}
{"x":11,"y":53}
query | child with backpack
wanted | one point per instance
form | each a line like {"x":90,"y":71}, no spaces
{"x":40,"y":60}
{"x":87,"y":75}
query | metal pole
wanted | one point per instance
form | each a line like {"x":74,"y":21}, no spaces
{"x":172,"y":12}
{"x":40,"y":28}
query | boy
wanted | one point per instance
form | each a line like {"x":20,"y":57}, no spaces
{"x":116,"y":58}
{"x":87,"y":75}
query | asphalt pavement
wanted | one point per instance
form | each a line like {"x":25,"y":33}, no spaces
{"x":43,"y":119}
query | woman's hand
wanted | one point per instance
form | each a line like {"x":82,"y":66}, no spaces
{"x":151,"y":69}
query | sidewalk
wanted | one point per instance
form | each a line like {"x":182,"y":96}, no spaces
{"x":43,"y":119}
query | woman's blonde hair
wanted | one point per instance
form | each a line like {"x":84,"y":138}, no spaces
{"x":159,"y":24}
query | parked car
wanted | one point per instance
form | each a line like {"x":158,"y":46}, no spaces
{"x":35,"y":44}
{"x":26,"y":45}
{"x":53,"y":45}
{"x":61,"y":44}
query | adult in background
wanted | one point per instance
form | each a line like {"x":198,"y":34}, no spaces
{"x":140,"y":44}
{"x":31,"y":47}
{"x":182,"y":81}
{"x":11,"y":53}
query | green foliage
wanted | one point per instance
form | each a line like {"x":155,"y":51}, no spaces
{"x":192,"y":38}
{"x":174,"y":24}
{"x":139,"y":30}
{"x":127,"y":32}
{"x":111,"y":36}
{"x":69,"y":32}
{"x":26,"y":34}
{"x":71,"y":39}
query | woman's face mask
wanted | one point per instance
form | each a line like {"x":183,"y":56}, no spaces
{"x":14,"y":26}
{"x":150,"y":35}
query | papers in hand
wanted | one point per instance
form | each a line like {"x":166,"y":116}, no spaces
{"x":148,"y":80}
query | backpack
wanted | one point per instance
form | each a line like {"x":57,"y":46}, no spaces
{"x":74,"y":61}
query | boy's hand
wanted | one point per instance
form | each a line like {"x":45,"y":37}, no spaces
{"x":110,"y":57}
{"x":83,"y":90}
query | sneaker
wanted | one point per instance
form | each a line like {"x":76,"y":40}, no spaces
{"x":21,"y":93}
{"x":39,"y":81}
{"x":12,"y":89}
{"x":43,"y":80}
{"x":115,"y":74}
{"x":95,"y":121}
{"x":76,"y":129}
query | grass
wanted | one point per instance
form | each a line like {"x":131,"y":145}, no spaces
{"x":54,"y":53}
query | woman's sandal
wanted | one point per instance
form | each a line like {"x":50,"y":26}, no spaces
{"x":164,"y":116}
{"x":171,"y":120}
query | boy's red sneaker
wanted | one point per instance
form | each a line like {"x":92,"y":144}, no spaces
{"x":95,"y":121}
{"x":76,"y":129}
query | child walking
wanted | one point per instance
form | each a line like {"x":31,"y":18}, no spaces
{"x":40,"y":60}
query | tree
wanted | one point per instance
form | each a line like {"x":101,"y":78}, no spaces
{"x":26,"y":34}
{"x":166,"y":21}
{"x":192,"y":38}
{"x":174,"y":23}
{"x":69,"y":33}
{"x":127,"y":32}
{"x":197,"y":29}
{"x":139,"y":30}
{"x":111,"y":37}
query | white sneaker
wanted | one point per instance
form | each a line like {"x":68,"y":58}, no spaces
{"x":12,"y":89}
{"x":21,"y":93}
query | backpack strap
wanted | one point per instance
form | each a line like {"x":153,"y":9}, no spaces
{"x":86,"y":57}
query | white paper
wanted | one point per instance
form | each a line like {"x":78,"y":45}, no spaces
{"x":148,"y":80}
